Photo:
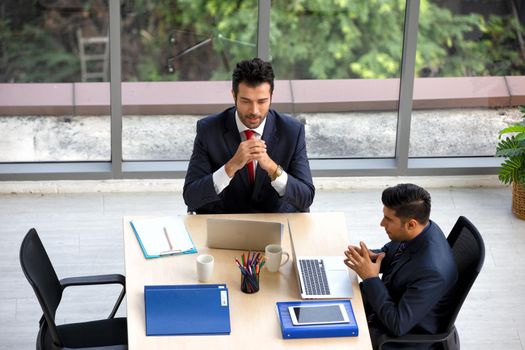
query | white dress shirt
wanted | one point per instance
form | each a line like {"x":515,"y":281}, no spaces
{"x":221,"y":179}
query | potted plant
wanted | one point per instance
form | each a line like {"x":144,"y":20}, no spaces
{"x":512,"y":170}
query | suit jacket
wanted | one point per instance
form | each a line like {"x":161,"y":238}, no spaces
{"x":413,"y":295}
{"x":217,"y":141}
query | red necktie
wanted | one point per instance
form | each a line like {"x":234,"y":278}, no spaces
{"x":251,"y":166}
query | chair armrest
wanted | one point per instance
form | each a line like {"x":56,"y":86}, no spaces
{"x":112,"y":347}
{"x":98,"y":280}
{"x":413,"y":338}
{"x":93,"y":280}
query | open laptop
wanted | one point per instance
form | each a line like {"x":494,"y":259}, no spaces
{"x":242,"y":234}
{"x":322,"y":277}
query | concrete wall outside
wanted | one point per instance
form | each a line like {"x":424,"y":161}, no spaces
{"x":435,"y":133}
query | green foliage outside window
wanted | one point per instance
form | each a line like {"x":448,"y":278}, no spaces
{"x":337,"y":39}
{"x":230,"y":27}
{"x":314,"y":39}
{"x":454,"y":46}
{"x":35,"y":55}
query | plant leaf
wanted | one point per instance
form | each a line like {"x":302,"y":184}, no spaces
{"x":513,"y":128}
{"x":507,"y":144}
{"x":511,"y":170}
{"x":511,"y":152}
{"x":520,"y":137}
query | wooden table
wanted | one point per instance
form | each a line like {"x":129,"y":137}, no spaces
{"x":254,"y":320}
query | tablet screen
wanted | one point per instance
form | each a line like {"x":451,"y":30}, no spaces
{"x":319,"y":314}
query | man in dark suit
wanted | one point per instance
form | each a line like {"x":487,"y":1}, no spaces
{"x":418,"y":269}
{"x":249,"y":158}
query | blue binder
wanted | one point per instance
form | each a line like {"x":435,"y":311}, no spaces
{"x":187,"y":309}
{"x":290,"y":331}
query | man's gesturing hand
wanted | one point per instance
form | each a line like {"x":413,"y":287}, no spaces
{"x":247,"y":151}
{"x":361,"y":260}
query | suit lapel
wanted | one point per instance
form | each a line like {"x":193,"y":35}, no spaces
{"x":231,"y":134}
{"x":412,"y":248}
{"x":232,"y":140}
{"x":402,"y":261}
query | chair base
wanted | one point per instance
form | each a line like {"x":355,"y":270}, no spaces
{"x":448,"y":341}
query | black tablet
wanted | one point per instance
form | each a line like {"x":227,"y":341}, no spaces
{"x":318,"y":314}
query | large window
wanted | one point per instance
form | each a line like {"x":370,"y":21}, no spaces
{"x":464,"y":51}
{"x":342,"y":40}
{"x":383,"y":87}
{"x":177,"y":41}
{"x":60,"y":50}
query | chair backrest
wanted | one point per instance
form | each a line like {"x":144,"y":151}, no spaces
{"x":42,"y":277}
{"x":469,"y":252}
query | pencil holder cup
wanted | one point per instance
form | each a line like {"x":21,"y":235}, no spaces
{"x":249,"y":283}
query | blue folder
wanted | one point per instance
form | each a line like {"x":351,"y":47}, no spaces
{"x":187,"y":309}
{"x":291,"y":331}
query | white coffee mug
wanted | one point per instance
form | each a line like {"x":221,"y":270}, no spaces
{"x":204,"y":267}
{"x":274,"y":256}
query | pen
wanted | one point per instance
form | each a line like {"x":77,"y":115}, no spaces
{"x":238,"y":263}
{"x":167,"y":238}
{"x":171,"y":250}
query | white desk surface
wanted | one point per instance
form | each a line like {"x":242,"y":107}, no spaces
{"x":254,"y":320}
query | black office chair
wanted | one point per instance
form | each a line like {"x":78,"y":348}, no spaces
{"x":110,"y":333}
{"x":469,"y":251}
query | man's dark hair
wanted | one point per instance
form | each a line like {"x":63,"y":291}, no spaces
{"x":252,"y":73}
{"x":409,"y":201}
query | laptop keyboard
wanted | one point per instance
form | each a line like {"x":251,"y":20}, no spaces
{"x":314,"y":277}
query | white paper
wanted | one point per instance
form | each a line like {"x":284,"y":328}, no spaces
{"x":153,"y":238}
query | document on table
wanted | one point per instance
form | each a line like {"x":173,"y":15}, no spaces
{"x":163,"y":236}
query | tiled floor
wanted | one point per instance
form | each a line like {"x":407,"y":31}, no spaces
{"x":83,"y":235}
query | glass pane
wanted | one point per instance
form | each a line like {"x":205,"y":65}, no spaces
{"x":464,"y":50}
{"x":54,"y":99}
{"x":359,"y":41}
{"x":337,"y":39}
{"x":370,"y":134}
{"x":186,"y":39}
{"x":183,"y":40}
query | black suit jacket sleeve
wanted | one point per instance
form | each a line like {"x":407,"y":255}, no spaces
{"x":198,"y":187}
{"x":299,"y":188}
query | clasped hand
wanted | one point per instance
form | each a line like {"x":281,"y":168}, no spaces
{"x":363,"y":261}
{"x":248,"y":151}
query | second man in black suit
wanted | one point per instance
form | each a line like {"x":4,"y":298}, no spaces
{"x":419,"y":271}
